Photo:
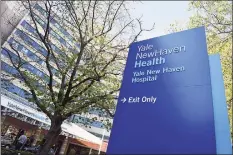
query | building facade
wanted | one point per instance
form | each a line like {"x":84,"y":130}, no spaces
{"x":95,"y":127}
{"x":11,"y":14}
{"x":13,"y":92}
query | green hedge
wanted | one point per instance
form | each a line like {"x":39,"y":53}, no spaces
{"x":5,"y":151}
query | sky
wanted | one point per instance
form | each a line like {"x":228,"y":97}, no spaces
{"x":162,"y":13}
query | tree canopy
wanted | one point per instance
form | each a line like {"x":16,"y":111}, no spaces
{"x":79,"y":50}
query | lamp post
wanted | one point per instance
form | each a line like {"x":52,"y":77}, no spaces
{"x":101,"y":142}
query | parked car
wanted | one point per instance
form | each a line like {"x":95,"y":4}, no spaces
{"x":32,"y":149}
{"x":6,"y":141}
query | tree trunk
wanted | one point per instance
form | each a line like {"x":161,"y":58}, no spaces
{"x":51,"y":137}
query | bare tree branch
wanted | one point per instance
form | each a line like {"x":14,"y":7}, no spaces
{"x":93,"y":17}
{"x":46,"y":43}
{"x":85,"y":12}
{"x":106,"y":15}
{"x":27,"y":82}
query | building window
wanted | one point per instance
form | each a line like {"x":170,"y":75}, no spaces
{"x":97,"y":124}
{"x":31,"y":42}
{"x":14,"y":89}
{"x":24,"y":50}
{"x":55,"y":23}
{"x":27,"y":52}
{"x":31,"y":68}
{"x":87,"y":121}
{"x":41,"y":10}
{"x":39,"y":73}
{"x":9,"y":69}
{"x":7,"y":52}
{"x":29,"y":28}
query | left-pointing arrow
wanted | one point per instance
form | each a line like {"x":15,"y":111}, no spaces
{"x":123,"y":100}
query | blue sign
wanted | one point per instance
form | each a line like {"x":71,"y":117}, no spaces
{"x":222,"y":127}
{"x":165,"y":103}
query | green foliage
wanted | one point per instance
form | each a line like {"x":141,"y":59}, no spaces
{"x":73,"y":79}
{"x":216,"y":16}
{"x":88,"y":62}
